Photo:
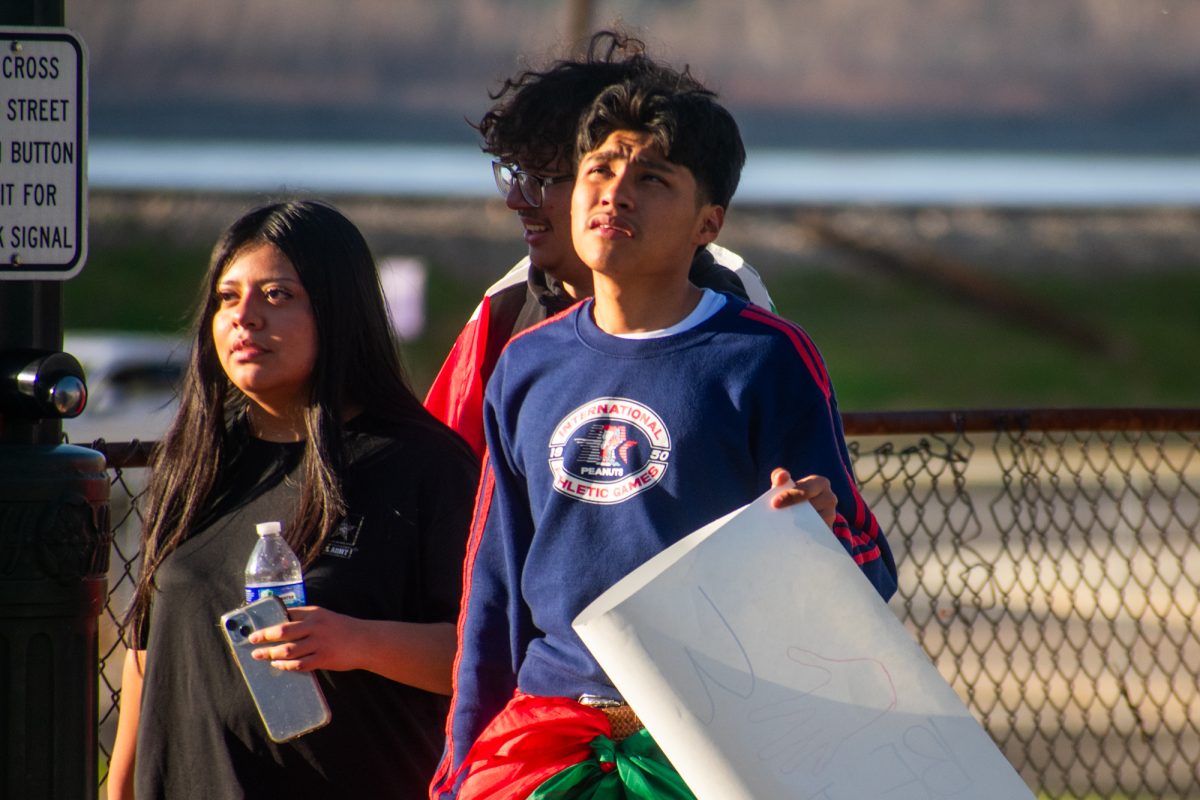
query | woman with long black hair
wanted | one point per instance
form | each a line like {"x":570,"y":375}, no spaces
{"x":295,"y":408}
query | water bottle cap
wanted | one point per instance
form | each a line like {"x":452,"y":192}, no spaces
{"x":267,"y":528}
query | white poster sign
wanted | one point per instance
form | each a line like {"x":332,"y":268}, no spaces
{"x":766,"y":666}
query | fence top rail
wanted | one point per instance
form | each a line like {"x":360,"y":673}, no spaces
{"x":125,"y":455}
{"x":885,"y":423}
{"x":882,"y":423}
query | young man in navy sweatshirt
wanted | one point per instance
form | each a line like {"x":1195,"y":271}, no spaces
{"x":616,"y":428}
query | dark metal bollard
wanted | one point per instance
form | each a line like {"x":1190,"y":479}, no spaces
{"x":54,"y":545}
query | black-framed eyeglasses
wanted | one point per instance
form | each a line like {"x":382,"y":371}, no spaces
{"x":533,"y":187}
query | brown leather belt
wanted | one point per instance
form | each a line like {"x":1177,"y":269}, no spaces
{"x":624,"y":722}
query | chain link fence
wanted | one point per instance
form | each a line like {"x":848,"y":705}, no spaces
{"x":1049,"y":566}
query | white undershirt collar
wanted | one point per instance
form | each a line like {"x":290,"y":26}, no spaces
{"x":710,"y":303}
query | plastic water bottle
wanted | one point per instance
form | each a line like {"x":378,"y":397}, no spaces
{"x":273,"y":568}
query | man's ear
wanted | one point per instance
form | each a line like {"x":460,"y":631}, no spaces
{"x":708,"y":224}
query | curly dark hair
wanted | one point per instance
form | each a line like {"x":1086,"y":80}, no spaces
{"x":537,"y":113}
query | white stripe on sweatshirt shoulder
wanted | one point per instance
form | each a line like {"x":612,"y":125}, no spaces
{"x":752,"y":282}
{"x":518,"y":274}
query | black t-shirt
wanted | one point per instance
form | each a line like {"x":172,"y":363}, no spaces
{"x":397,"y":555}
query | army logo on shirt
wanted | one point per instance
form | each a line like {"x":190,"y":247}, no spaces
{"x":343,"y":543}
{"x":608,"y":450}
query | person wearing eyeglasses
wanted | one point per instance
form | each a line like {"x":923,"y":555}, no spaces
{"x":531,"y":133}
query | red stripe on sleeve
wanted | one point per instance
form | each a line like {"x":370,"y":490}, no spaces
{"x":799,"y":339}
{"x":483,"y":503}
{"x":864,"y":520}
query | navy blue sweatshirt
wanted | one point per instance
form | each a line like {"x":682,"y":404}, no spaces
{"x":602,"y":451}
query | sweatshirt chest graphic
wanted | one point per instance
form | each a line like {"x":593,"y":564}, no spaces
{"x":608,"y":450}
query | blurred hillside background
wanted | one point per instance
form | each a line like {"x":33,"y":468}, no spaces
{"x":923,"y":302}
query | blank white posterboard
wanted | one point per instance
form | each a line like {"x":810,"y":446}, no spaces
{"x":766,"y":666}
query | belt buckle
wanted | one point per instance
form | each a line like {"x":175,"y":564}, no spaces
{"x":599,"y":701}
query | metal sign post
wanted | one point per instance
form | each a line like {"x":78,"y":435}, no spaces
{"x":54,"y":528}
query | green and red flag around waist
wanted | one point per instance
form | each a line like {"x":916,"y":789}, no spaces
{"x":553,"y":748}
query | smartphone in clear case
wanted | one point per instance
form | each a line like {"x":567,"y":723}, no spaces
{"x":290,"y":704}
